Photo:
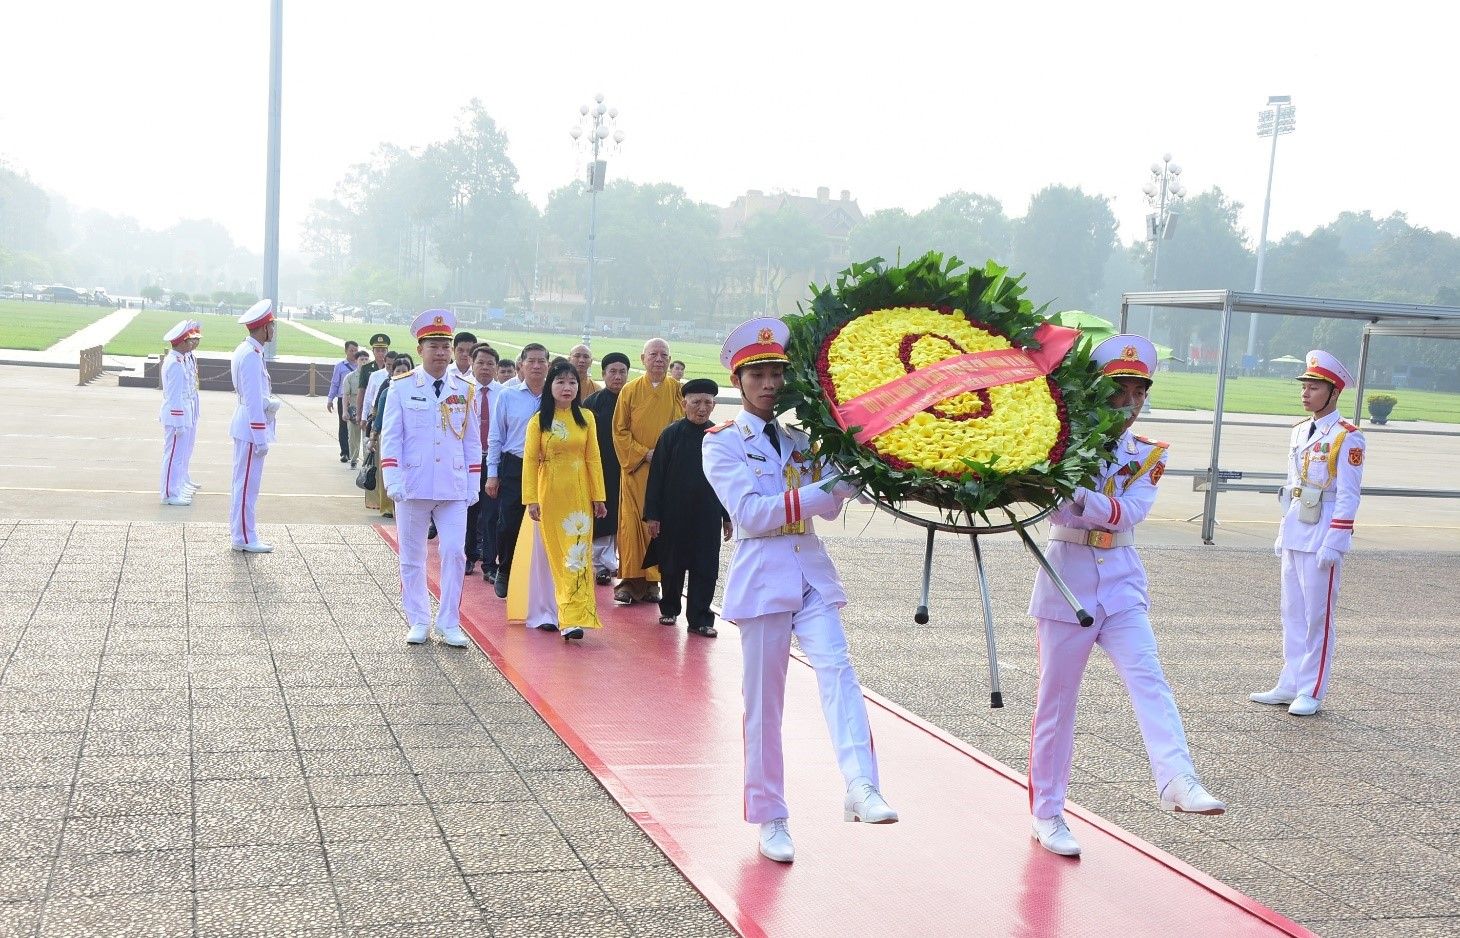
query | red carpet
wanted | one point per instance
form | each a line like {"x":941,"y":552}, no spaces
{"x":655,"y":714}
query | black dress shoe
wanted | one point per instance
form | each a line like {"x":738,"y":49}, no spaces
{"x":471,"y":567}
{"x":501,"y":587}
{"x":487,"y":575}
{"x":344,"y":459}
{"x":546,"y":627}
{"x":431,"y":534}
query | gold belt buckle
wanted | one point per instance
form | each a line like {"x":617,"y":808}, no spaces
{"x":1101,"y":539}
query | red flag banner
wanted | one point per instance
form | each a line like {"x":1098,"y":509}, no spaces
{"x":883,"y":408}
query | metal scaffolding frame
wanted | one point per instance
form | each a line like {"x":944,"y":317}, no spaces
{"x":1401,"y":319}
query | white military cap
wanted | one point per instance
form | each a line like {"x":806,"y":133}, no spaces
{"x":1323,"y":366}
{"x":178,"y":334}
{"x":759,"y":340}
{"x":259,"y":314}
{"x":1126,"y":356}
{"x":434,"y":324}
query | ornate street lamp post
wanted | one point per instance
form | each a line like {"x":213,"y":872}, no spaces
{"x":1164,"y":193}
{"x":1277,"y":120}
{"x":599,"y":123}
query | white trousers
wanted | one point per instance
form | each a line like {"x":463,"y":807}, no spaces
{"x":765,"y":647}
{"x":412,"y":522}
{"x":190,"y":435}
{"x":1309,"y":595}
{"x":248,"y":473}
{"x":1064,"y":650}
{"x":175,"y":454}
{"x":605,"y":553}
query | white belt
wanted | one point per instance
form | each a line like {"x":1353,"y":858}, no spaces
{"x":1296,"y":491}
{"x":1104,"y":540}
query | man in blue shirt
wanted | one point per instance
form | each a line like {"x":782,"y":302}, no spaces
{"x":512,"y":409}
{"x":337,"y":380}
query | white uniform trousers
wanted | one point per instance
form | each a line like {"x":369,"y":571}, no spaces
{"x":1064,"y":650}
{"x":190,"y":444}
{"x":1309,"y":595}
{"x":605,"y":553}
{"x":542,"y":595}
{"x":174,"y":461}
{"x":412,"y":522}
{"x":248,"y":473}
{"x":765,"y":647}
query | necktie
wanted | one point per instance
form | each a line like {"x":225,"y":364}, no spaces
{"x":770,"y":431}
{"x":486,"y":418}
{"x":1312,"y":428}
{"x":438,"y":382}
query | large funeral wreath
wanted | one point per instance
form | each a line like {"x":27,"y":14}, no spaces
{"x":1031,"y":441}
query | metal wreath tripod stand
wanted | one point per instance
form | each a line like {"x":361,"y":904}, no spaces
{"x":974,"y":532}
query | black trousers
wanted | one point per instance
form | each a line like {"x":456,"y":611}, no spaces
{"x":697,"y":557}
{"x":509,"y":500}
{"x":481,"y":528}
{"x":344,"y":429}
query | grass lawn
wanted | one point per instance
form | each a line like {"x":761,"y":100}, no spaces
{"x":701,"y":359}
{"x":1186,"y":391}
{"x":35,"y":326}
{"x":143,"y":336}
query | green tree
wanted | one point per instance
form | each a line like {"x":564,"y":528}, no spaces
{"x":1062,"y":243}
{"x":786,"y":242}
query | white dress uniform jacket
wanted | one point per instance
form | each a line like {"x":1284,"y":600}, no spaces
{"x":179,"y":393}
{"x":251,"y":422}
{"x":1333,"y":454}
{"x":431,"y":448}
{"x":769,"y":573}
{"x":1109,"y":580}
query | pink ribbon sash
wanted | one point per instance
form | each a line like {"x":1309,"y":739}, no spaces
{"x":883,"y":408}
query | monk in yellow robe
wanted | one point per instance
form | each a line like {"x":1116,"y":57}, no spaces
{"x":645,"y":407}
{"x":582,"y":358}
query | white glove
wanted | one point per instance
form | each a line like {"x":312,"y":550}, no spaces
{"x":1277,"y":546}
{"x":261,"y":449}
{"x":843,"y":490}
{"x":475,"y":496}
{"x":1328,"y":557}
{"x":395,"y":494}
{"x":272,"y":404}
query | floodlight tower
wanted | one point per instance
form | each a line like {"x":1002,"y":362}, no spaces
{"x":1164,"y":193}
{"x":600,"y":123}
{"x":1280,"y":118}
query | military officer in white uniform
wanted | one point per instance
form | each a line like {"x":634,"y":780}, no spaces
{"x":1319,"y":501}
{"x":194,"y":337}
{"x":1091,"y":538}
{"x":431,"y":455}
{"x":252,"y":427}
{"x":177,"y":416}
{"x":782,"y":583}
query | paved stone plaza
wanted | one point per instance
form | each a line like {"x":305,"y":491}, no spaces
{"x":202,"y":742}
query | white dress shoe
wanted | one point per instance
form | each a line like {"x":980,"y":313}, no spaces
{"x":1054,"y":835}
{"x":417,"y":634}
{"x":1304,"y":706}
{"x":1275,"y":696}
{"x":1187,"y":795}
{"x":454,"y":636}
{"x":193,"y":486}
{"x":775,"y":841}
{"x":178,"y":500}
{"x":865,"y":803}
{"x":257,"y":547}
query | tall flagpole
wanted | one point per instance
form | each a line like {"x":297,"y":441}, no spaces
{"x":271,"y":196}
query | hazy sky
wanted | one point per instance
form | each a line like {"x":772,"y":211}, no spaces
{"x":156,"y":108}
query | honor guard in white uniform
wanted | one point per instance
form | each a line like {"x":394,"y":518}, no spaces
{"x":1091,"y":547}
{"x":431,"y":457}
{"x":252,"y":428}
{"x":194,"y":337}
{"x":1319,"y":502}
{"x":782,"y":583}
{"x":177,"y":416}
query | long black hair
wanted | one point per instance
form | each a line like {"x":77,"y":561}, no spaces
{"x":550,"y":405}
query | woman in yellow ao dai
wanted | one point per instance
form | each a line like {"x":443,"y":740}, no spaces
{"x":562,"y":487}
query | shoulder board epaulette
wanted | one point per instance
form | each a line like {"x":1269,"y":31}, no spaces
{"x":408,"y":374}
{"x":1348,"y":426}
{"x":1150,"y":442}
{"x":718,"y":427}
{"x":1301,"y":422}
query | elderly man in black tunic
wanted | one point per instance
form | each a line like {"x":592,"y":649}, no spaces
{"x":685,"y":519}
{"x":615,"y":367}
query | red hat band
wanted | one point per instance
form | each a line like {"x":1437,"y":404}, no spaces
{"x":262,"y":321}
{"x":1323,"y":374}
{"x":756,"y":352}
{"x":1126,"y":366}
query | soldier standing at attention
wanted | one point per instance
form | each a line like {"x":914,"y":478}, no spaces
{"x":431,"y":461}
{"x":252,"y":428}
{"x":194,"y":337}
{"x":1091,"y":538}
{"x":1320,"y":500}
{"x":176,"y":416}
{"x":780,"y":583}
